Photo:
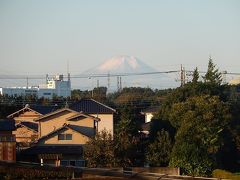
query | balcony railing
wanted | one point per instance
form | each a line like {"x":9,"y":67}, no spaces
{"x":8,"y":138}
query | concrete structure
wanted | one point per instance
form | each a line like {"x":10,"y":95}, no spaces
{"x":53,"y":87}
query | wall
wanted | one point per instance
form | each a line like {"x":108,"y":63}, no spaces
{"x":148,"y":117}
{"x":23,"y":134}
{"x":106,"y":122}
{"x":77,"y":138}
{"x":52,"y":123}
{"x":8,"y":151}
{"x":160,"y":170}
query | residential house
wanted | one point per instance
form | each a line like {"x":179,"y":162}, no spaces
{"x":7,"y":140}
{"x":26,"y":128}
{"x":26,"y":132}
{"x":62,"y":136}
{"x":99,"y":110}
{"x":29,"y":113}
{"x":149,"y":114}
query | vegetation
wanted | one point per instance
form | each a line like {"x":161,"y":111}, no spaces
{"x":196,"y":127}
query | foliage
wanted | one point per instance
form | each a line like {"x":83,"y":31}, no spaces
{"x":222,"y":174}
{"x":195,"y":76}
{"x":213,"y":76}
{"x":200,"y":122}
{"x":158,"y":152}
{"x":125,"y":139}
{"x":99,"y":151}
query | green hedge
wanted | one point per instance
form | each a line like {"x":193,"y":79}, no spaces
{"x":219,"y":173}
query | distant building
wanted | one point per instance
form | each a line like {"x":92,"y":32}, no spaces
{"x":235,"y":81}
{"x":7,"y":140}
{"x":149,"y":113}
{"x":53,"y":87}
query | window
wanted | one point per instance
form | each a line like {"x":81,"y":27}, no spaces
{"x":68,"y":136}
{"x":64,"y":163}
{"x":80,"y":163}
{"x":65,"y":137}
{"x":72,"y":163}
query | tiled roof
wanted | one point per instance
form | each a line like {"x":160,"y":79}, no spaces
{"x":30,"y":125}
{"x":152,"y":109}
{"x":7,"y":125}
{"x":44,"y":109}
{"x":51,"y":149}
{"x":54,"y":113}
{"x":91,"y":106}
{"x":41,"y":110}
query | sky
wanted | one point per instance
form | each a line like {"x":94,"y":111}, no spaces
{"x":40,"y":37}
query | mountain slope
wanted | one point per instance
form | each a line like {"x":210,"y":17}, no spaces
{"x":121,"y":65}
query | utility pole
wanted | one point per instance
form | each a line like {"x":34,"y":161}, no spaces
{"x":183,"y":76}
{"x":27,"y":82}
{"x":108,"y":81}
{"x":224,"y":78}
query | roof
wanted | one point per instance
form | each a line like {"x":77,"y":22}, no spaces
{"x":80,"y":116}
{"x":152,"y":109}
{"x":41,"y":110}
{"x":53,"y":149}
{"x":30,"y":125}
{"x":53,"y":113}
{"x":44,"y":109}
{"x":91,"y":106}
{"x":7,"y":125}
{"x":87,"y":131}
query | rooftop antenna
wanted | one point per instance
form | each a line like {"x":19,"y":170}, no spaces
{"x":68,"y":74}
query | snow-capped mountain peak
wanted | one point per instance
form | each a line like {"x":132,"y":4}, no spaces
{"x":122,"y":64}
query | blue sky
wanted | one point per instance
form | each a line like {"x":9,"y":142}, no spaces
{"x":39,"y":37}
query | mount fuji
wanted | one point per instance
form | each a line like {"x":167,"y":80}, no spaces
{"x":121,"y":65}
{"x":131,"y":70}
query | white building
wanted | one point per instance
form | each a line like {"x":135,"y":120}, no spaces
{"x":53,"y":87}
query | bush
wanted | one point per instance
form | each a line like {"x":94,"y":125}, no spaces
{"x":219,"y":173}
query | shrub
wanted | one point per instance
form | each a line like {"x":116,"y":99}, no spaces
{"x":219,"y":173}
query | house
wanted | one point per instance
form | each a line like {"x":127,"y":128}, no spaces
{"x":29,"y":113}
{"x":62,"y":136}
{"x":54,"y":120}
{"x":149,"y":113}
{"x":26,"y":128}
{"x":7,"y":140}
{"x":99,"y":110}
{"x":26,"y":132}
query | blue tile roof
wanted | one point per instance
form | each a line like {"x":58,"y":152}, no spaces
{"x":91,"y":106}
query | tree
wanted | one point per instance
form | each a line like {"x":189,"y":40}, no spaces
{"x":158,"y":152}
{"x":99,"y":151}
{"x":125,"y":139}
{"x":200,"y":123}
{"x":212,"y":76}
{"x":195,"y":76}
